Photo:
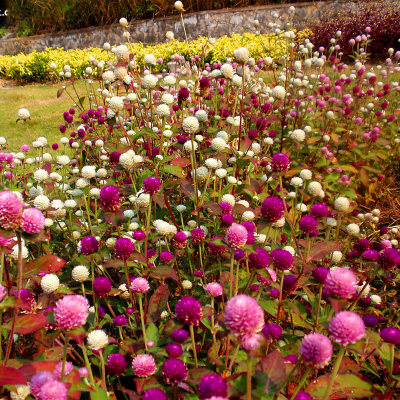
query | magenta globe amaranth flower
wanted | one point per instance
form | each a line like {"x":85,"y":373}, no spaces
{"x":10,"y":210}
{"x":390,"y":335}
{"x":236,"y":236}
{"x":53,"y":390}
{"x":151,"y":185}
{"x":316,"y":350}
{"x":88,"y":245}
{"x":154,"y":394}
{"x":120,"y":320}
{"x":341,"y":283}
{"x":280,"y":162}
{"x":308,"y":224}
{"x":212,"y":385}
{"x":32,"y":220}
{"x":143,"y":365}
{"x":71,"y":312}
{"x":302,"y":396}
{"x":38,"y":380}
{"x":216,"y":249}
{"x":110,"y":199}
{"x":101,"y":286}
{"x":259,"y":259}
{"x":320,"y":274}
{"x":140,"y":285}
{"x":243,"y":316}
{"x":197,"y":235}
{"x":346,"y":328}
{"x":188,"y":310}
{"x":370,"y":320}
{"x":123,"y":248}
{"x":319,"y":210}
{"x":174,"y":371}
{"x":272,"y":209}
{"x":180,"y":336}
{"x":389,"y":258}
{"x":214,"y":289}
{"x":166,"y":257}
{"x":282,"y":259}
{"x":174,"y":350}
{"x":179,"y":241}
{"x":116,"y":364}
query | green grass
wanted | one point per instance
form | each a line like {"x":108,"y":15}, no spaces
{"x":45,"y":109}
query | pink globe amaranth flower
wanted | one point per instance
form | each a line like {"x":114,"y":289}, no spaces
{"x":316,"y":350}
{"x":259,"y":259}
{"x":243,"y":316}
{"x":38,"y":380}
{"x":251,"y":342}
{"x":110,"y":200}
{"x":282,"y":259}
{"x":140,"y":285}
{"x":3,"y":292}
{"x":10,"y":210}
{"x":188,"y":310}
{"x":89,"y":245}
{"x":389,"y":258}
{"x":101,"y":286}
{"x":390,"y":335}
{"x":116,"y":364}
{"x":308,"y":224}
{"x":151,"y":185}
{"x":197,"y":235}
{"x":346,"y":328}
{"x":272,"y":209}
{"x":53,"y":390}
{"x":123,"y":248}
{"x":83,"y":372}
{"x":215,"y":289}
{"x":71,"y":312}
{"x":68,"y":368}
{"x":32,"y":220}
{"x":236,"y":236}
{"x":341,"y":283}
{"x":154,"y":394}
{"x":280,"y":162}
{"x":174,"y":371}
{"x":143,"y":365}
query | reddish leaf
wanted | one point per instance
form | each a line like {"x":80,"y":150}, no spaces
{"x":114,"y":219}
{"x":274,"y":367}
{"x":321,"y":250}
{"x":213,"y":207}
{"x":28,"y":323}
{"x":157,"y":303}
{"x":159,"y":200}
{"x":187,"y":188}
{"x":31,"y":369}
{"x":180,"y":162}
{"x":78,"y":335}
{"x":195,"y":375}
{"x":163,"y":272}
{"x":11,"y":376}
{"x":46,"y":264}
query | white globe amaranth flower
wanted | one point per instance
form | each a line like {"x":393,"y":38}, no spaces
{"x":40,"y":175}
{"x":336,"y":256}
{"x":127,"y":160}
{"x":167,"y":98}
{"x":179,"y":6}
{"x":163,"y":110}
{"x":202,"y":173}
{"x":116,"y":104}
{"x":88,"y":171}
{"x":122,"y":53}
{"x":50,"y":283}
{"x":353,"y":229}
{"x":97,"y":339}
{"x":228,"y":198}
{"x":237,"y":80}
{"x":189,"y":146}
{"x":227,"y":71}
{"x":80,"y":273}
{"x":170,"y":35}
{"x":342,"y":204}
{"x":149,"y":81}
{"x":143,"y":200}
{"x":108,"y":76}
{"x":123,"y":22}
{"x":242,"y":55}
{"x":23,"y":114}
{"x":186,"y":284}
{"x":41,"y":202}
{"x":124,"y":291}
{"x":150,"y":59}
{"x":211,"y":163}
{"x":279,"y":92}
{"x":201,"y":115}
{"x":248,"y":216}
{"x":218,"y":144}
{"x":169,"y":80}
{"x":331,"y":222}
{"x":296,"y":181}
{"x":190,"y":124}
{"x":298,"y":135}
{"x":314,"y":188}
{"x":280,"y":223}
{"x":110,"y":242}
{"x":221,"y":173}
{"x":376,"y":299}
{"x":15,"y":252}
{"x":305,"y":174}
{"x":180,"y":208}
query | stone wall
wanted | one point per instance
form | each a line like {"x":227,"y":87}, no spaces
{"x":206,"y":23}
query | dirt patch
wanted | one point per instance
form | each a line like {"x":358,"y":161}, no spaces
{"x":7,"y":84}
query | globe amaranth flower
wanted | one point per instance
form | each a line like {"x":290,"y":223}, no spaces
{"x":308,"y":224}
{"x":68,"y":368}
{"x":320,"y":274}
{"x":259,"y":259}
{"x":214,"y":288}
{"x":174,"y":350}
{"x":280,"y":162}
{"x":272,"y":209}
{"x":289,"y":284}
{"x":212,"y":385}
{"x":166,"y":257}
{"x":120,"y":320}
{"x":197,"y":235}
{"x":316,"y":350}
{"x":179,"y":241}
{"x":370,"y":320}
{"x":154,"y":394}
{"x":174,"y":371}
{"x":89,"y":245}
{"x":143,"y":365}
{"x":38,"y":380}
{"x":180,"y":335}
{"x":53,"y":390}
{"x":319,"y":210}
{"x":370,"y":255}
{"x":282,"y":259}
{"x":97,"y":339}
{"x":101,"y":286}
{"x":346,"y":328}
{"x":110,"y":199}
{"x":390,"y":335}
{"x":236,"y":236}
{"x":243,"y":316}
{"x":71,"y":312}
{"x":123,"y":248}
{"x":151,"y":185}
{"x":341,"y":283}
{"x":140,"y":285}
{"x":301,"y":395}
{"x":10,"y":210}
{"x":116,"y":364}
{"x":188,"y":310}
{"x":32,"y":221}
{"x":273,"y":330}
{"x":389,"y":258}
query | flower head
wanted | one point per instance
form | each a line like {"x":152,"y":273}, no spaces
{"x":101,"y":286}
{"x":316,"y":350}
{"x":188,"y":310}
{"x":151,"y":185}
{"x":272,"y":209}
{"x":140,"y":285}
{"x":389,"y":258}
{"x":97,"y":339}
{"x":259,"y":259}
{"x":282,"y":259}
{"x":212,"y":385}
{"x":280,"y":162}
{"x":154,"y":394}
{"x":71,"y":312}
{"x":53,"y":390}
{"x":89,"y":245}
{"x":174,"y":371}
{"x":346,"y":328}
{"x":123,"y":248}
{"x":180,"y":336}
{"x":341,"y":282}
{"x":390,"y":335}
{"x":10,"y":210}
{"x":110,"y":199}
{"x":236,"y":236}
{"x":32,"y":220}
{"x":38,"y":380}
{"x":214,"y":288}
{"x":143,"y":365}
{"x":116,"y":364}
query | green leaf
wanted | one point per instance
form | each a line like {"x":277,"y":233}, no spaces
{"x":175,"y":170}
{"x":152,"y":333}
{"x":270,"y":306}
{"x":98,"y":394}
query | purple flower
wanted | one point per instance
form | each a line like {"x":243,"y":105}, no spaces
{"x":341,"y":283}
{"x":259,"y":259}
{"x":289,"y":284}
{"x":282,"y":259}
{"x":316,"y":350}
{"x":188,"y":310}
{"x":116,"y":364}
{"x":273,"y":330}
{"x":371,"y":255}
{"x":370,"y":320}
{"x":280,"y":162}
{"x":110,"y":199}
{"x":236,"y":236}
{"x":216,"y":249}
{"x":320,"y":274}
{"x":120,"y":320}
{"x":174,"y":371}
{"x":101,"y":286}
{"x":180,"y":336}
{"x":319,"y":210}
{"x":139,"y":235}
{"x":179,"y":240}
{"x":389,"y":258}
{"x":154,"y":394}
{"x":89,"y":245}
{"x":123,"y":248}
{"x":308,"y":224}
{"x":302,"y":396}
{"x":151,"y":185}
{"x":38,"y":380}
{"x":390,"y":335}
{"x":174,"y":350}
{"x":212,"y":385}
{"x":346,"y":328}
{"x":272,"y":209}
{"x":197,"y":235}
{"x":166,"y":257}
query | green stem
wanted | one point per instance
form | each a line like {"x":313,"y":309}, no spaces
{"x":248,"y":397}
{"x":391,"y":348}
{"x":212,"y":326}
{"x":280,"y":298}
{"x":334,"y":372}
{"x":142,"y":320}
{"x":66,"y":340}
{"x":85,"y":356}
{"x":301,"y":383}
{"x":231,"y":274}
{"x":318,"y":307}
{"x":193,"y":346}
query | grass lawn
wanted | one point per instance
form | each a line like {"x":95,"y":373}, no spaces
{"x":45,"y":109}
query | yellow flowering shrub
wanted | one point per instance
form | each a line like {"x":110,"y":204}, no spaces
{"x":35,"y":66}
